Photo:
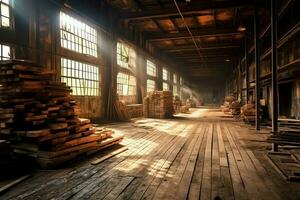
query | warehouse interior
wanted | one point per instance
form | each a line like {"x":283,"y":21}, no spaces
{"x":149,"y":99}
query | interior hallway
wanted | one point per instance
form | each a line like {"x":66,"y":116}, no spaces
{"x":198,"y":155}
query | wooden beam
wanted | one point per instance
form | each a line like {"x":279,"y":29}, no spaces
{"x":197,"y":7}
{"x":203,"y":48}
{"x":212,"y":32}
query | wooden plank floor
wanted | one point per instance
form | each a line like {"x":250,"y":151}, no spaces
{"x":200,"y":155}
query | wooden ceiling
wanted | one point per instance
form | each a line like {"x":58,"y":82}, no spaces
{"x":214,"y":25}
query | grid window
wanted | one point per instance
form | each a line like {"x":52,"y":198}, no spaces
{"x":82,"y":78}
{"x":122,"y":55}
{"x":4,"y":52}
{"x":4,"y":13}
{"x":151,"y":68}
{"x":150,"y":85}
{"x":166,"y":75}
{"x":77,"y":36}
{"x":166,"y":86}
{"x":174,"y":78}
{"x":126,"y":84}
{"x":175,"y":90}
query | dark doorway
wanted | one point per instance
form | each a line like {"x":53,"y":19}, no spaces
{"x":285,"y":99}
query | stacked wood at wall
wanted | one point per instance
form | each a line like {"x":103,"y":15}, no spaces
{"x":177,"y":104}
{"x":135,"y":110}
{"x":231,"y":106}
{"x":40,"y":117}
{"x":248,"y":112}
{"x":158,"y":104}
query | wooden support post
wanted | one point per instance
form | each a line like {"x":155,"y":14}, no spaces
{"x":275,"y":101}
{"x":159,"y":78}
{"x":247,"y":71}
{"x":257,"y":71}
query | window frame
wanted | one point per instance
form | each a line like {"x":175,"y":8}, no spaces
{"x":80,"y":40}
{"x":128,"y":80}
{"x":1,"y":52}
{"x":82,"y":73}
{"x":10,"y":13}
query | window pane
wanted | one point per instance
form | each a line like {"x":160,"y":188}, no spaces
{"x":4,"y":10}
{"x":78,"y":35}
{"x":151,"y":68}
{"x":5,"y":21}
{"x":78,"y":76}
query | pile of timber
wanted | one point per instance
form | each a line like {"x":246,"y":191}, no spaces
{"x":235,"y":108}
{"x":248,"y":112}
{"x":191,"y":103}
{"x":184,"y":109}
{"x":285,"y":137}
{"x":135,"y":110}
{"x":40,"y":118}
{"x":158,"y":104}
{"x":177,"y":104}
{"x":227,"y":104}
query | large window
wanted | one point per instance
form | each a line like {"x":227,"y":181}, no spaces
{"x":82,"y":78}
{"x":151,"y":68}
{"x":150,"y":85}
{"x":126,"y":84}
{"x":77,"y":36}
{"x":175,"y":90}
{"x":122,"y":55}
{"x":166,"y":75}
{"x":4,"y":13}
{"x":166,"y":86}
{"x":174,"y":78}
{"x":4,"y":52}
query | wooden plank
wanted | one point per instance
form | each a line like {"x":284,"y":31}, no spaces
{"x":12,"y":184}
{"x":184,"y":185}
{"x":111,"y":154}
{"x":226,"y":187}
{"x":206,"y":186}
{"x":153,"y":182}
{"x":237,"y":181}
{"x":195,"y":187}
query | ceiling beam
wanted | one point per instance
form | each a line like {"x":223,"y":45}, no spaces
{"x":190,"y":46}
{"x":202,"y":33}
{"x":203,"y":48}
{"x":186,"y":10}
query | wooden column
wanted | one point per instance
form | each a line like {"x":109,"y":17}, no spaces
{"x":247,"y":71}
{"x":275,"y":102}
{"x":257,"y":71}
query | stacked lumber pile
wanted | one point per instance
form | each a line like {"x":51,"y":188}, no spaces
{"x":235,"y":108}
{"x":248,"y":112}
{"x":158,"y":104}
{"x":191,"y":103}
{"x":177,"y":104}
{"x":227,"y":104}
{"x":184,"y":109}
{"x":40,"y":117}
{"x":285,"y":137}
{"x":135,"y":110}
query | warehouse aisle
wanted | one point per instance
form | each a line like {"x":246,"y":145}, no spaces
{"x":198,"y":155}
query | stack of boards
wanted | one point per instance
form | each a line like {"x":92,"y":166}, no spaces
{"x":248,"y":113}
{"x":177,"y":104}
{"x":135,"y":110}
{"x":40,"y":118}
{"x":158,"y":104}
